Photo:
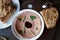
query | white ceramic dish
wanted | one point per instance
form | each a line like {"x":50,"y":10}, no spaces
{"x":10,"y":20}
{"x":17,"y":35}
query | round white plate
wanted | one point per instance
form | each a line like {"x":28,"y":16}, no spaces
{"x":10,"y":20}
{"x":18,"y":35}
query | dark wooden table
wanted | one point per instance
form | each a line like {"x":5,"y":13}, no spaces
{"x":48,"y":34}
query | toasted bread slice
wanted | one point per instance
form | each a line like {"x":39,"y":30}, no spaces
{"x":6,"y":10}
{"x":50,"y":16}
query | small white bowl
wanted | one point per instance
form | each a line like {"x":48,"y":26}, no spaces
{"x":17,"y":35}
{"x":10,"y":20}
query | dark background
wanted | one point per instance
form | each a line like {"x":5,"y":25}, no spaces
{"x":48,"y":34}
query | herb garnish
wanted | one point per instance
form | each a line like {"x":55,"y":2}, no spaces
{"x":19,"y":19}
{"x":22,"y":18}
{"x":21,"y":32}
{"x":32,"y":17}
{"x":36,"y":28}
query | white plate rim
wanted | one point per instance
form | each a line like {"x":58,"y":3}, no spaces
{"x":34,"y":38}
{"x":5,"y":25}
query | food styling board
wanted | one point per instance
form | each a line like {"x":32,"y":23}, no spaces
{"x":48,"y":34}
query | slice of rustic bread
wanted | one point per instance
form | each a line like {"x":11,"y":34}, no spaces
{"x":50,"y":16}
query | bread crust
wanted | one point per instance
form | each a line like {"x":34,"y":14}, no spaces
{"x":50,"y":16}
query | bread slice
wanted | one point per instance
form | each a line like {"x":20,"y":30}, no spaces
{"x":50,"y":16}
{"x":6,"y":10}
